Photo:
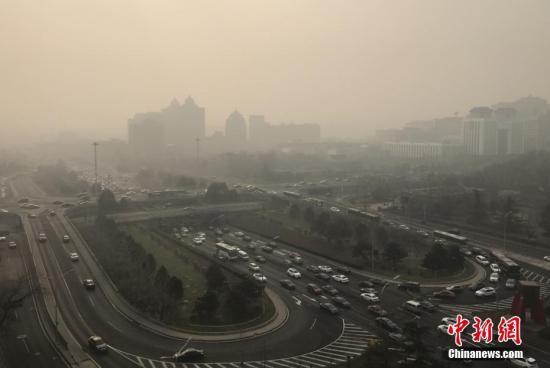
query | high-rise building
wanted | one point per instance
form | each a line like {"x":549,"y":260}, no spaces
{"x":480,"y":136}
{"x":235,"y":131}
{"x":258,"y":131}
{"x":146,"y":135}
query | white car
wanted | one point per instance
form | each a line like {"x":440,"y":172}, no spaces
{"x":369,"y":297}
{"x":292,"y":272}
{"x":526,"y":362}
{"x":335,"y":209}
{"x":66,"y":238}
{"x":198,"y":241}
{"x":486,"y":291}
{"x":404,"y":227}
{"x":12,"y":245}
{"x":546,"y":258}
{"x":259,"y":277}
{"x":253,"y":267}
{"x":494,"y":277}
{"x":448,"y":320}
{"x":343,"y":279}
{"x":494,"y":267}
{"x":73,"y":256}
{"x":443,"y":329}
{"x":324,"y":268}
{"x":482,"y":260}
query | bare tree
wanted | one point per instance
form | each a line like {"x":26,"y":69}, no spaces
{"x":12,"y":294}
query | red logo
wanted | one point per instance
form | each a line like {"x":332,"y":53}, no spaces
{"x":510,"y":329}
{"x":483,"y":330}
{"x":457,"y":328}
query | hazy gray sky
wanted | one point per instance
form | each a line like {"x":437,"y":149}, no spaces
{"x":350,"y":65}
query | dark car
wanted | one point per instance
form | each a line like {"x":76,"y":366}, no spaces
{"x":388,"y":324}
{"x":287,"y":284}
{"x":57,"y":202}
{"x":97,"y":344}
{"x":377,"y":310}
{"x":343,"y":270}
{"x":260,"y":259}
{"x":366,"y":284}
{"x":314,"y":289}
{"x":341,"y":302}
{"x":329,"y":307}
{"x":330,"y":290}
{"x":376,"y":281}
{"x":267,"y":249}
{"x":455,"y":288}
{"x":189,"y":355}
{"x":476,"y":286}
{"x":313,"y":268}
{"x":323,"y":276}
{"x":89,"y":284}
{"x":444,"y":294}
{"x":66,"y":205}
{"x":428,"y":306}
{"x":409,"y":285}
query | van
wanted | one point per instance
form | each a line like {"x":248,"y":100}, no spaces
{"x":413,"y":306}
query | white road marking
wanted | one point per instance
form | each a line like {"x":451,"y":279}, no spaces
{"x":313,"y":324}
{"x":91,"y":300}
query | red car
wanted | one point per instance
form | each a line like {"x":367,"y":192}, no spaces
{"x":314,"y":289}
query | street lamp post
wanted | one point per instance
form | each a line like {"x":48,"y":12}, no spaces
{"x":506,"y":216}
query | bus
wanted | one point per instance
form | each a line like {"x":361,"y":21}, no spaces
{"x":509,"y":267}
{"x":451,"y":237}
{"x":367,"y":215}
{"x":292,"y":194}
{"x":226,"y":251}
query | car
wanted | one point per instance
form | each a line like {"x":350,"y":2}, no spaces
{"x":253,"y":267}
{"x":260,"y":277}
{"x":400,"y":339}
{"x":494,"y":267}
{"x":73,"y":256}
{"x":369,"y":297}
{"x":335,"y":209}
{"x":325,"y":269}
{"x":292,"y":272}
{"x":409,"y":285}
{"x":476,"y":286}
{"x":314,"y":289}
{"x":511,"y":283}
{"x":52,"y":213}
{"x":42,"y":238}
{"x":3,"y":239}
{"x":96,"y":343}
{"x":12,"y":245}
{"x":494,"y":277}
{"x":366,"y":284}
{"x":455,"y":288}
{"x":448,"y":320}
{"x":465,"y":251}
{"x":313,"y":268}
{"x":57,"y":202}
{"x":444,"y":294}
{"x":525,"y":362}
{"x":482,"y":260}
{"x":243,"y":255}
{"x":342,"y":279}
{"x":388,"y":324}
{"x":486,"y":292}
{"x":368,"y":290}
{"x":89,"y":284}
{"x":67,"y":205}
{"x":288,"y":262}
{"x":266,"y":248}
{"x":329,"y":307}
{"x":260,"y":259}
{"x":343,"y":270}
{"x":189,"y":355}
{"x":297,"y":260}
{"x":427,"y":306}
{"x":287,"y":284}
{"x":377,"y":310}
{"x":66,"y":238}
{"x":323,"y":276}
{"x":330,"y":290}
{"x":443,"y":329}
{"x":341,"y":302}
{"x":404,"y":227}
{"x":546,"y":258}
{"x":32,"y":215}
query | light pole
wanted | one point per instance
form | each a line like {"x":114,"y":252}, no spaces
{"x":506,"y":217}
{"x":95,"y":144}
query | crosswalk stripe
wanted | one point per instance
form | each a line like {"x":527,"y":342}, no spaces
{"x":168,"y":365}
{"x":349,"y":347}
{"x":339,"y":351}
{"x":308,"y":362}
{"x":140,"y":362}
{"x":279,"y":364}
{"x":294,"y":363}
{"x":323,"y":351}
{"x":322,"y":361}
{"x":326,"y":357}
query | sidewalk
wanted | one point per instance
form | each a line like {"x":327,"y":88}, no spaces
{"x":68,"y":347}
{"x":122,"y":306}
